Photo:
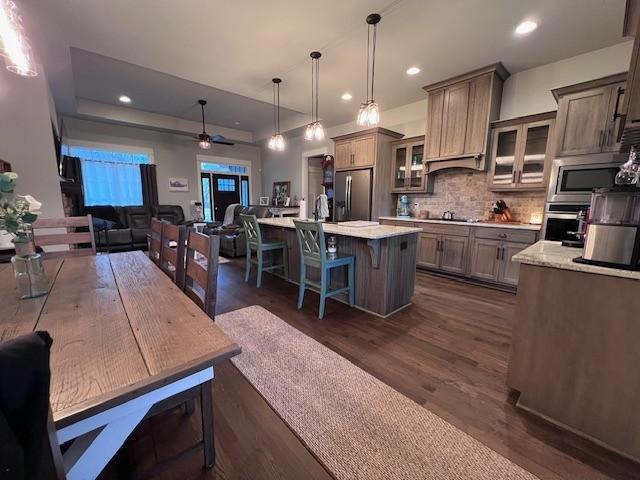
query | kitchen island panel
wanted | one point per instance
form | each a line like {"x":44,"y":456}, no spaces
{"x":384,"y":268}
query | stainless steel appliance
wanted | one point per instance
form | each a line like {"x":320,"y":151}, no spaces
{"x":572,"y":182}
{"x":352,"y":198}
{"x":613,"y":231}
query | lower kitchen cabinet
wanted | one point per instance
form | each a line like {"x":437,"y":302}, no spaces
{"x":491,"y":261}
{"x":479,"y":252}
{"x":453,"y":253}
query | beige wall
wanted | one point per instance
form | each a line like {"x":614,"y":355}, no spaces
{"x":26,"y":138}
{"x":174,"y":155}
{"x":529,"y":91}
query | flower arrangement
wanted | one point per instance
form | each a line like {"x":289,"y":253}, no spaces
{"x":17,"y":212}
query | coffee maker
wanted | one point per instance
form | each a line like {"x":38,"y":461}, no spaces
{"x":613,"y":229}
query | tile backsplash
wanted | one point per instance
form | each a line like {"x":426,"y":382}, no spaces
{"x":466,"y":193}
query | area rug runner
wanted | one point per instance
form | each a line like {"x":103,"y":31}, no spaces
{"x":357,"y":426}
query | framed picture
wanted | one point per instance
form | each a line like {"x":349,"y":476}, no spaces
{"x":280,"y":193}
{"x":178,"y":184}
{"x":264,"y":201}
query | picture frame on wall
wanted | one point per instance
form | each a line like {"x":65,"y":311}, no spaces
{"x":178,"y":184}
{"x":280,"y":193}
{"x":264,"y":201}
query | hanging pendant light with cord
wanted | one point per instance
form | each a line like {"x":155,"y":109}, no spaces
{"x":276,"y":142}
{"x":314,"y":130}
{"x":369,"y":114}
{"x":204,"y":138}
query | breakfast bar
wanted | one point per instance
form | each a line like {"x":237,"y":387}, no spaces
{"x":385,"y":261}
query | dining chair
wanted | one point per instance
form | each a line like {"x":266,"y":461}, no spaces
{"x":172,"y":256}
{"x":28,"y":442}
{"x":201,"y":273}
{"x":313,"y":253}
{"x":256,"y":244}
{"x":154,"y":241}
{"x":70,"y":238}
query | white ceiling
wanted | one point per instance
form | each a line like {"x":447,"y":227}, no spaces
{"x":238,"y":46}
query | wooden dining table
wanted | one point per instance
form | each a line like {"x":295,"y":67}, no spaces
{"x":125,"y":339}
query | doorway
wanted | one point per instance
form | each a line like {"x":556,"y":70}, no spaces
{"x":223,"y":182}
{"x":314,"y":181}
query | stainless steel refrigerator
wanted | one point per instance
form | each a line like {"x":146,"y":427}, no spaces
{"x":352,"y":197}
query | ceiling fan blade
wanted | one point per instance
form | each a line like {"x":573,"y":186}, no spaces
{"x":221,"y":140}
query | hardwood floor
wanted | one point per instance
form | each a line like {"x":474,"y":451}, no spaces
{"x":448,"y":352}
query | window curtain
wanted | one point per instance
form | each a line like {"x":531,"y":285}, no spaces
{"x":110,"y":177}
{"x":149,"y":185}
{"x":71,"y":182}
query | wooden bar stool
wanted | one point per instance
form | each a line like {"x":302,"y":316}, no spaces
{"x":255,"y":244}
{"x":313,"y":253}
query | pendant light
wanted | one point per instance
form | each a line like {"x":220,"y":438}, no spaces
{"x":369,"y":114}
{"x":204,"y":138}
{"x":14,"y":45}
{"x":314,"y":130}
{"x":276,"y":142}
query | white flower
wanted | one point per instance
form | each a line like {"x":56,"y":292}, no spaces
{"x":34,"y":205}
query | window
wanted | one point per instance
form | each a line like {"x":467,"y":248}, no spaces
{"x":110,"y":177}
{"x":226,"y":184}
{"x":244,"y":191}
{"x":222,"y":168}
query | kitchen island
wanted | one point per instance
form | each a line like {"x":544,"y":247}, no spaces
{"x":574,"y":351}
{"x":385,"y":262}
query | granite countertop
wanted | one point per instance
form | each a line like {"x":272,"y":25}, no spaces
{"x":374,"y":232}
{"x":552,"y":254}
{"x":518,"y":226}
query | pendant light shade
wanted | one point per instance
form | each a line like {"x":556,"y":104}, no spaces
{"x":276,"y":142}
{"x":14,"y":46}
{"x":369,"y":114}
{"x":314,"y":130}
{"x":204,"y":139}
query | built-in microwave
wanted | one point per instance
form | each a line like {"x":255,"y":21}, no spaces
{"x":574,"y":178}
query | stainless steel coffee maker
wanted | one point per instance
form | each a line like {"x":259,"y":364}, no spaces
{"x":613,"y":228}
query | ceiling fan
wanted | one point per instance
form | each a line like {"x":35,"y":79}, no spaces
{"x":204,"y":139}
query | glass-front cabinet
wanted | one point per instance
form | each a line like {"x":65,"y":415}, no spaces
{"x":409,"y":173}
{"x":520,"y":153}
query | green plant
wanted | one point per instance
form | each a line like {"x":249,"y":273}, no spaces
{"x":17,"y":212}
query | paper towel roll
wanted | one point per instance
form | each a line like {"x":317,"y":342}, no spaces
{"x":303,"y":210}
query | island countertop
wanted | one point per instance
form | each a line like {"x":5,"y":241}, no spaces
{"x":515,"y":226}
{"x":552,"y":254}
{"x":374,"y":232}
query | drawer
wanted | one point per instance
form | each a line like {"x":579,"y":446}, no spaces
{"x":506,"y":234}
{"x":444,"y":229}
{"x":398,"y":223}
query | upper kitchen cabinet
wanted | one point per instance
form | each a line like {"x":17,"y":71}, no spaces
{"x":589,"y":116}
{"x":408,"y":169}
{"x":361,"y":149}
{"x":521,"y":152}
{"x":459,"y":111}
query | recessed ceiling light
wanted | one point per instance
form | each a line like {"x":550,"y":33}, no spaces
{"x":347,"y":96}
{"x":236,"y":123}
{"x":124,"y":99}
{"x":413,"y":71}
{"x":526,"y":27}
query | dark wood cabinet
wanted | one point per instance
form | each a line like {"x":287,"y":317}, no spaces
{"x":459,"y":111}
{"x":589,"y":118}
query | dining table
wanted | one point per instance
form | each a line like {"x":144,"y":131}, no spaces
{"x":125,"y":340}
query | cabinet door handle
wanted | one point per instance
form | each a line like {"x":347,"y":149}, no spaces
{"x":498,"y":253}
{"x":601,"y":138}
{"x":437,"y":245}
{"x":502,"y":235}
{"x":619,"y":94}
{"x":502,"y":255}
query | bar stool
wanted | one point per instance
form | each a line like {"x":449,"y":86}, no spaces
{"x":255,"y":243}
{"x":313,"y":253}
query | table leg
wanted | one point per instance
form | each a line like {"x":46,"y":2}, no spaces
{"x":206,"y":404}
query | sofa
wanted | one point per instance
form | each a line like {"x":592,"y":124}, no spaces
{"x":126,"y":228}
{"x":232,"y":237}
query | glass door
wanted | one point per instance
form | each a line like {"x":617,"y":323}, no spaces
{"x":536,"y":140}
{"x":399,"y":155}
{"x":505,"y":151}
{"x":416,"y":167}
